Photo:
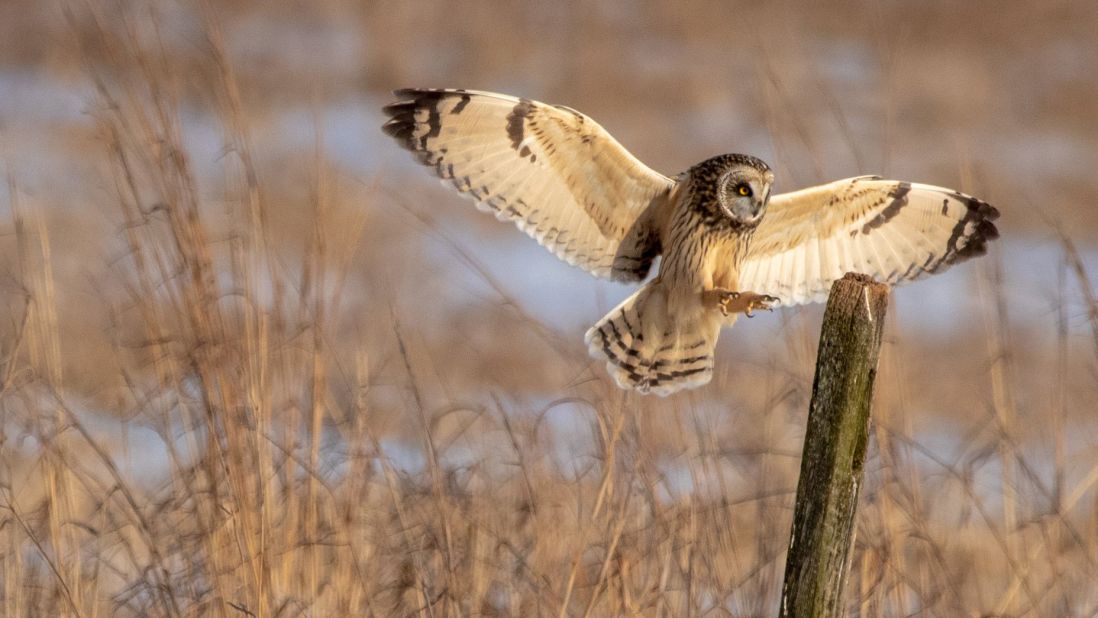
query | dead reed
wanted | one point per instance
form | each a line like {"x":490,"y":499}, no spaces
{"x":276,"y":428}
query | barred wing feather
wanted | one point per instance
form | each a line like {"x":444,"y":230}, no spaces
{"x":894,"y":231}
{"x":558,"y":175}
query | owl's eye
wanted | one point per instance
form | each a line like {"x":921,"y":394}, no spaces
{"x":743,"y":189}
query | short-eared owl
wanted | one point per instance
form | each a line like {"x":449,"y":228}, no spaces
{"x":728,"y":245}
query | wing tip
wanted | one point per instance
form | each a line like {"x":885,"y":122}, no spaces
{"x":401,"y":131}
{"x":976,"y":229}
{"x":428,"y":94}
{"x":985,"y":214}
{"x":976,"y":244}
{"x":400,"y":121}
{"x":401,"y":114}
{"x":408,"y":101}
{"x":982,"y":208}
{"x":399,"y":108}
{"x":415,"y":93}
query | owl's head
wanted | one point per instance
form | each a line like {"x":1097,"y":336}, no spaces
{"x":738,"y":187}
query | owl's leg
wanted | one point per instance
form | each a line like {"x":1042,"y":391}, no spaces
{"x":730,"y":302}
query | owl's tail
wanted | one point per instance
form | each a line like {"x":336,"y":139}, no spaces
{"x":656,"y":341}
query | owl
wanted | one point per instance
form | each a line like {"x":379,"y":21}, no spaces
{"x":727,"y":245}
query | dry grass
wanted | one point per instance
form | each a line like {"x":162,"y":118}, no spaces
{"x":245,"y":399}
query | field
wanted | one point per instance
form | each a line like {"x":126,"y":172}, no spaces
{"x":254,"y":361}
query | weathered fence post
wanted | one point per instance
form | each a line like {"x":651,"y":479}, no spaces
{"x":834,"y":449}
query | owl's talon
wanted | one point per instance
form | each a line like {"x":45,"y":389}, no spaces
{"x":745,"y":302}
{"x":724,"y":299}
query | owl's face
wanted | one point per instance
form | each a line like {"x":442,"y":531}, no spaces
{"x":743,"y":191}
{"x":731,"y":189}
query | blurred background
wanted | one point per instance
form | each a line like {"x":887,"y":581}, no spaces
{"x":255,"y":361}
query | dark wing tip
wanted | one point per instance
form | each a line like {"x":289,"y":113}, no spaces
{"x":976,"y":245}
{"x":399,"y":107}
{"x":427,"y":94}
{"x":410,"y":93}
{"x":400,"y":123}
{"x":987,"y":230}
{"x":985,"y":210}
{"x":404,"y":108}
{"x":400,"y":130}
{"x":982,"y":215}
{"x":401,"y":120}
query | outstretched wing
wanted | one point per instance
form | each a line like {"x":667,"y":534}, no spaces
{"x":893,"y":231}
{"x":553,"y":171}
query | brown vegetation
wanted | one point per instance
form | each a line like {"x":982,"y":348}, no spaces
{"x":249,"y":380}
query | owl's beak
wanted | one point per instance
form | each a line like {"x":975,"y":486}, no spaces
{"x":760,"y":205}
{"x":755,"y":212}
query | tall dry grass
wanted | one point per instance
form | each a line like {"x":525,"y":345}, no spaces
{"x":249,"y":448}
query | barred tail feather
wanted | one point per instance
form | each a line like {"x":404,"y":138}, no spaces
{"x":653,"y":347}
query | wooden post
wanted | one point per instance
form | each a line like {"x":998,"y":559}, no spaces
{"x":834,"y":449}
